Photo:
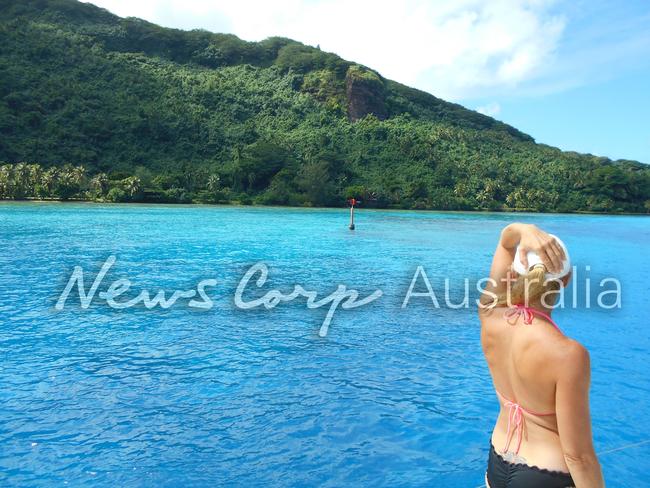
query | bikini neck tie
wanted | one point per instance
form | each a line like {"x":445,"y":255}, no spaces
{"x":513,"y":313}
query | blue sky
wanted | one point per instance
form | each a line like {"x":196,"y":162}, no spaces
{"x":572,"y":74}
{"x":604,"y":108}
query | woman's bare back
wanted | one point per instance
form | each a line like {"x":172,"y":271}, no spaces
{"x":522,"y":359}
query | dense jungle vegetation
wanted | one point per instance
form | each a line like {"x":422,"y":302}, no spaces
{"x":97,"y":107}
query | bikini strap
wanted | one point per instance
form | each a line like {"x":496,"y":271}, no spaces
{"x":515,"y":424}
{"x":516,"y":421}
{"x":513,"y":313}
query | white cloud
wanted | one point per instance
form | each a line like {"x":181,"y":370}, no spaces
{"x":456,"y":50}
{"x":491,"y":109}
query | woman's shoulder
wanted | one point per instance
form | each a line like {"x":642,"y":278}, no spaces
{"x":562,"y":356}
{"x":571,"y":354}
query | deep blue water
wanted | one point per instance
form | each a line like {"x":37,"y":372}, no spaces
{"x":390,"y":397}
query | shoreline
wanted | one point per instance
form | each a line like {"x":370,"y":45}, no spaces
{"x":289,"y":207}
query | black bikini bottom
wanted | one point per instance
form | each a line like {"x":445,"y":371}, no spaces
{"x":503,"y":474}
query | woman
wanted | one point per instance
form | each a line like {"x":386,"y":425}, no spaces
{"x":542,"y":437}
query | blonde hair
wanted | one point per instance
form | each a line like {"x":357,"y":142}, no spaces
{"x":529,"y":288}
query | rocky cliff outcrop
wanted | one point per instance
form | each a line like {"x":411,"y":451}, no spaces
{"x":365,"y":93}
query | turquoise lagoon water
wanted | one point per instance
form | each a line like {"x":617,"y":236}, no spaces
{"x":181,"y":396}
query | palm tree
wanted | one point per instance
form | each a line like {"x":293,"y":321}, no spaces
{"x":78,"y":174}
{"x":20,"y":180}
{"x":65,"y":184}
{"x":214,"y":183}
{"x":6,"y":184}
{"x":35,"y":175}
{"x":49,"y":180}
{"x":236,"y":170}
{"x":99,"y":184}
{"x":132,"y":185}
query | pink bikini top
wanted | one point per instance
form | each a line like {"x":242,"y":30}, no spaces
{"x":516,"y":411}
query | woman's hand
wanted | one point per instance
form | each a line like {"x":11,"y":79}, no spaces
{"x":532,"y":238}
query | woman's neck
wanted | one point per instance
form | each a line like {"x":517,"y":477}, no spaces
{"x":538,"y":305}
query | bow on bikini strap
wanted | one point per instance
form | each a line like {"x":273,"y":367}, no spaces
{"x":513,"y":313}
{"x":515,"y":424}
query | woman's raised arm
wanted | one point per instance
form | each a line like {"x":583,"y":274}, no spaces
{"x":530,"y":238}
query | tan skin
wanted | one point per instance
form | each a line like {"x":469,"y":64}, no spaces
{"x":542,"y":370}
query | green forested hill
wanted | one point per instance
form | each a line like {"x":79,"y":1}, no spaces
{"x":98,"y":107}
